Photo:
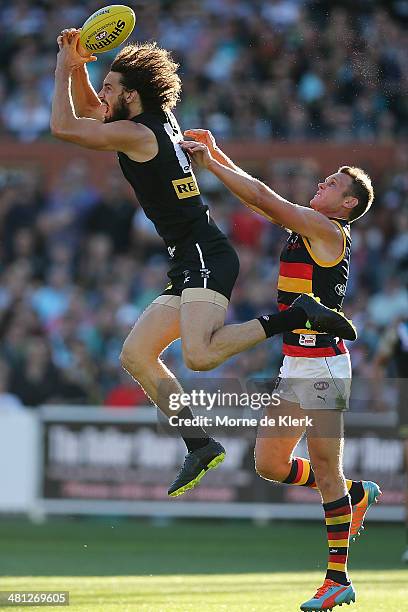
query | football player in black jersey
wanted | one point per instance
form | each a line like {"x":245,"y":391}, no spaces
{"x":132,"y":116}
{"x":315,"y":377}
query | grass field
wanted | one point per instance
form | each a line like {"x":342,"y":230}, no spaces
{"x":189,"y":567}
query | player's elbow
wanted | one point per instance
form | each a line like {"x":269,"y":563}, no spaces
{"x":58,"y":132}
{"x":55,"y":129}
{"x":65,"y":129}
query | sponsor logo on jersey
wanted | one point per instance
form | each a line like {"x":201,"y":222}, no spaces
{"x":340,"y":289}
{"x":171,"y":251}
{"x":293,"y":242}
{"x":186,"y":187}
{"x":307,"y":340}
{"x":321,"y":385}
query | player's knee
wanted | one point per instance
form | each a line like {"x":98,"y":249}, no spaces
{"x":132,"y":360}
{"x":264,"y":470}
{"x":271,"y":468}
{"x":197,"y":358}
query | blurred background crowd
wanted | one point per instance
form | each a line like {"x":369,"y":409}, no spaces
{"x":285,"y":69}
{"x":79,"y":263}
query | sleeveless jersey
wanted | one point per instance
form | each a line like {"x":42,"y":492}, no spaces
{"x":165,"y":186}
{"x":301,"y":271}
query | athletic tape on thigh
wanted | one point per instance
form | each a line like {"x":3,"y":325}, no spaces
{"x":173,"y":301}
{"x":196,"y":294}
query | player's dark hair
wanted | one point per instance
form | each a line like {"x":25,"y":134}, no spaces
{"x":361,"y":188}
{"x":150,"y":71}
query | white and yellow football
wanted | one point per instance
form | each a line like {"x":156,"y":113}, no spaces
{"x":107,"y":28}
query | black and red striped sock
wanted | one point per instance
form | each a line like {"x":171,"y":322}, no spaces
{"x":338,"y":518}
{"x":301,"y":474}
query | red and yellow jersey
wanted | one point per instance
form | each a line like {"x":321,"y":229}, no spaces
{"x":301,"y":271}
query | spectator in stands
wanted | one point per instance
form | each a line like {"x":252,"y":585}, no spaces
{"x":112,"y":214}
{"x":8,"y":401}
{"x":36,"y":380}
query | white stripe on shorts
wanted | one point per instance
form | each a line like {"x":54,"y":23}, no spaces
{"x":202,"y":263}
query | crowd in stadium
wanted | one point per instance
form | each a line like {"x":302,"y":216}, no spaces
{"x":80,"y":263}
{"x":259,"y":69}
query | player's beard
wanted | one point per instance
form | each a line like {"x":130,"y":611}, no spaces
{"x":119,"y":111}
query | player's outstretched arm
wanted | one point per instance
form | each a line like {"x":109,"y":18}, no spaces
{"x":90,"y":133}
{"x":259,"y":197}
{"x":206,"y":137}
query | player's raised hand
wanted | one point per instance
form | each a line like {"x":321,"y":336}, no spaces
{"x":71,"y":53}
{"x":198,"y":152}
{"x":203,"y":136}
{"x":66,"y":36}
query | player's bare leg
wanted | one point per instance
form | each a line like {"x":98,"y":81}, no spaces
{"x":275,"y":461}
{"x":325,"y":441}
{"x":153,"y":332}
{"x":206,"y":341}
{"x":274,"y":447}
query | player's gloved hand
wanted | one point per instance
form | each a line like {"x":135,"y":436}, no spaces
{"x":198,"y":152}
{"x":203,"y":136}
{"x":72,"y":54}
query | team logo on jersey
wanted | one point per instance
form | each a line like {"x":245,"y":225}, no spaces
{"x":340,"y":289}
{"x":171,"y":251}
{"x":307,"y":340}
{"x":186,"y":187}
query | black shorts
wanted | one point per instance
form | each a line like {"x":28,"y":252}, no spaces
{"x":207,"y":261}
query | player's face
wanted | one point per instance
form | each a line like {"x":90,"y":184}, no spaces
{"x":112,"y":96}
{"x":331,"y":192}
